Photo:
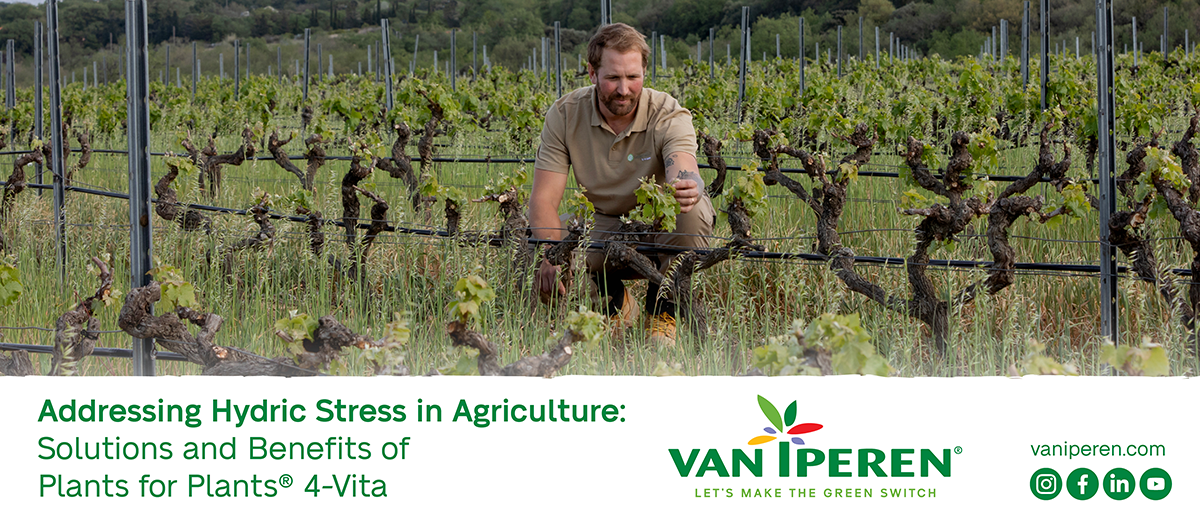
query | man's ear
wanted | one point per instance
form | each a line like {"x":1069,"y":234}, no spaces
{"x":592,"y":74}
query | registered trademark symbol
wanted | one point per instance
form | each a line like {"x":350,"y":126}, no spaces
{"x":958,"y":450}
{"x":285,"y":480}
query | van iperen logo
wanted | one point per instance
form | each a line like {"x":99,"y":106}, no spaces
{"x":794,"y":458}
{"x":789,"y":418}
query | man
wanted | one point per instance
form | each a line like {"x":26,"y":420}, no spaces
{"x":614,"y":134}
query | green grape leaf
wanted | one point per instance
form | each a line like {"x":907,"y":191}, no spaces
{"x":302,"y":199}
{"x":1161,"y":165}
{"x":297,"y":327}
{"x":112,"y":297}
{"x":751,"y":190}
{"x":175,"y":291}
{"x":1148,"y":358}
{"x":1156,"y":363}
{"x":175,"y":295}
{"x":656,"y":202}
{"x":579,"y":206}
{"x":465,"y":363}
{"x":849,"y":171}
{"x":587,"y":324}
{"x":663,"y":369}
{"x":10,"y":285}
{"x":471,"y":291}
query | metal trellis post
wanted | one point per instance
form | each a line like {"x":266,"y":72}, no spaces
{"x":39,"y":37}
{"x":1166,"y":29}
{"x":412,"y":64}
{"x":742,"y":67}
{"x":1136,"y":48}
{"x":558,"y":59}
{"x":1105,"y":105}
{"x":56,"y":155}
{"x":138,"y":90}
{"x":662,"y":47}
{"x":387,"y":61}
{"x":1025,"y":46}
{"x":1044,"y":65}
{"x":1003,"y":39}
{"x":801,"y":58}
{"x":712,"y":73}
{"x":307,"y":40}
{"x":653,"y":55}
{"x":839,"y":56}
{"x":10,"y":94}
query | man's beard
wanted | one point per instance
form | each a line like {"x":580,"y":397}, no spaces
{"x":610,"y":103}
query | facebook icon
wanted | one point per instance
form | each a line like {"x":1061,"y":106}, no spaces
{"x":1082,"y":484}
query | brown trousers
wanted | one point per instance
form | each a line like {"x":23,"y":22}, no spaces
{"x":692,"y":231}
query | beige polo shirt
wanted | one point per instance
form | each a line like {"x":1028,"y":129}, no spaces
{"x":607,"y":165}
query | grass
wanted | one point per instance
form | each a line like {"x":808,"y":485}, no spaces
{"x":748,"y":300}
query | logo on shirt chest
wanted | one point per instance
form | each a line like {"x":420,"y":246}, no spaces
{"x":647,"y":158}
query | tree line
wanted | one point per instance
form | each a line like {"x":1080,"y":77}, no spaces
{"x":949,"y":28}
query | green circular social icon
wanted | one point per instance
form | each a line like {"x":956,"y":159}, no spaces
{"x":1045,"y":483}
{"x":630,"y":157}
{"x":1082,"y":484}
{"x":1118,"y":483}
{"x":1155,"y":484}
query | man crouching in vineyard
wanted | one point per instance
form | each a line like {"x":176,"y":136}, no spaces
{"x":614,"y":134}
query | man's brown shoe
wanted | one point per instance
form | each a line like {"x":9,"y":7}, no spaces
{"x":662,"y":330}
{"x":628,"y":315}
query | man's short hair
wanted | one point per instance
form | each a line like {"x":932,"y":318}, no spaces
{"x":620,"y":38}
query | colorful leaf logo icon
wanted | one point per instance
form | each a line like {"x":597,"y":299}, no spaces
{"x":788,"y":419}
{"x":769,"y":410}
{"x":801,"y":429}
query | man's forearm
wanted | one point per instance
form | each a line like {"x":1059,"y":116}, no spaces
{"x":547,"y":195}
{"x":544,"y":222}
{"x":682,"y":166}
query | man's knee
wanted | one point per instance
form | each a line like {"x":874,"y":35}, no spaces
{"x":693,"y":229}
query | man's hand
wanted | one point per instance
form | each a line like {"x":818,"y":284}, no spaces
{"x":684,"y":175}
{"x":546,"y":280}
{"x":545,"y":223}
{"x":687,"y":193}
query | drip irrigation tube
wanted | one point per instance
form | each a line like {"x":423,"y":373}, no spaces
{"x":599,"y":245}
{"x":525,"y":161}
{"x":120,"y":353}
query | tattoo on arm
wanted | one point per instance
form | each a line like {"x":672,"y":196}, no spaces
{"x":669,"y":162}
{"x":692,"y":175}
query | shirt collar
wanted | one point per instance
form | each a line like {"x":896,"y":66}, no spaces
{"x":597,"y":119}
{"x":640,"y":119}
